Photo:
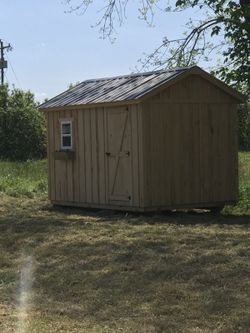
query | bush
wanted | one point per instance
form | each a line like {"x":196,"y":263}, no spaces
{"x":244,"y":127}
{"x":22,"y":127}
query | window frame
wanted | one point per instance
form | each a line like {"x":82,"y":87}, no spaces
{"x":66,"y":122}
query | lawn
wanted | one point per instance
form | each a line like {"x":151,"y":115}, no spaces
{"x":72,"y":270}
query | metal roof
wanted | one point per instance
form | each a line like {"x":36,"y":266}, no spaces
{"x":113,"y":89}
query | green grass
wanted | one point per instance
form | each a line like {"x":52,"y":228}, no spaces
{"x":243,"y":206}
{"x":23,"y":178}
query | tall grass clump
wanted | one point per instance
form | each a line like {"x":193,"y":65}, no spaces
{"x":23,"y":178}
{"x":243,"y":206}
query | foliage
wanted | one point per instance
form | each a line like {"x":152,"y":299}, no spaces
{"x":231,"y":19}
{"x":224,"y":26}
{"x":73,"y":85}
{"x":243,"y":206}
{"x":244,"y":127}
{"x":22,"y":127}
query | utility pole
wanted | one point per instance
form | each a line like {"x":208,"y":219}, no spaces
{"x":3,"y":62}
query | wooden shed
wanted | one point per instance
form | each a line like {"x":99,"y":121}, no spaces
{"x":143,"y":142}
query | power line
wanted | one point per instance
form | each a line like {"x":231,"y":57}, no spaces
{"x":6,"y":78}
{"x":15,"y":75}
{"x":3,"y":62}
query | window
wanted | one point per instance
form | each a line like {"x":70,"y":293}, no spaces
{"x":66,"y":134}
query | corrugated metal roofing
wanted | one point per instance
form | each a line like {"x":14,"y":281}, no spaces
{"x":113,"y":89}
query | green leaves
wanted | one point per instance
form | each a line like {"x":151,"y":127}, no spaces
{"x":233,"y":23}
{"x":22,"y":127}
{"x":215,"y":30}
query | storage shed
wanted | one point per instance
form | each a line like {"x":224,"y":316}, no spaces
{"x":143,"y":142}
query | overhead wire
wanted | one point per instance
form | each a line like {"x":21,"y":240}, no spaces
{"x":15,"y":75}
{"x":6,"y":78}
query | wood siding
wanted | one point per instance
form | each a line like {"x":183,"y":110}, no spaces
{"x":106,"y":158}
{"x":190,"y":146}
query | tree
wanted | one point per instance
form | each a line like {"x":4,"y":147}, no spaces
{"x":227,"y":19}
{"x":22,"y":127}
{"x":244,"y":127}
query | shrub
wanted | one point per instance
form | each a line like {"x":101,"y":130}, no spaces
{"x":244,"y":127}
{"x":22,"y":127}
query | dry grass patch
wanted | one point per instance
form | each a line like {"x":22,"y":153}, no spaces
{"x":97,"y":271}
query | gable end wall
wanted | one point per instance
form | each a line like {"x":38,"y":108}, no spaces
{"x":190,"y":145}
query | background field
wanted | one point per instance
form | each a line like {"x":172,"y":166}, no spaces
{"x":99,"y":271}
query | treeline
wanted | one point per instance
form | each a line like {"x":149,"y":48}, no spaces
{"x":22,"y":126}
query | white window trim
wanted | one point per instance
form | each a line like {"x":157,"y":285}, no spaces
{"x":63,"y":122}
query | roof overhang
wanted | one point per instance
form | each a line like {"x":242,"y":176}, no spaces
{"x":90,"y":106}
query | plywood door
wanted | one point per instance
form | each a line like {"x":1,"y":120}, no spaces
{"x":118,"y":156}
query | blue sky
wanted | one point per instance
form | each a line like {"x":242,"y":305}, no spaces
{"x":52,"y":49}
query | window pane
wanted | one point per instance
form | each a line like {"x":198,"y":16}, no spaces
{"x":66,"y":141}
{"x":66,"y":128}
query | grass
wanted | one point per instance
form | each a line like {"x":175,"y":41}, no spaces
{"x":243,"y":206}
{"x":23,"y":178}
{"x":100,"y":271}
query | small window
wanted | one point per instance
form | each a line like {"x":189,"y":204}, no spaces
{"x":66,"y":134}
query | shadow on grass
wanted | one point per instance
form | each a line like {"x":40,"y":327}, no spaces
{"x":177,"y":217}
{"x":168,"y":284}
{"x":153,"y":273}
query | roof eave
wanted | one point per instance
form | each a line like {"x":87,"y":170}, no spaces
{"x":89,"y":106}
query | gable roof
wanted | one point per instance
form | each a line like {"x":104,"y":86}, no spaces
{"x":125,"y":88}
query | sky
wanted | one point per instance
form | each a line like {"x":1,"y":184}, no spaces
{"x":52,"y":48}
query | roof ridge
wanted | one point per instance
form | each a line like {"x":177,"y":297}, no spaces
{"x":176,"y":69}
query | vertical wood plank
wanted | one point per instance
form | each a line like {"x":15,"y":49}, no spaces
{"x":134,"y":155}
{"x":176,"y":176}
{"x":145,"y":143}
{"x":81,"y":148}
{"x":195,"y":190}
{"x":94,"y":159}
{"x":88,"y":151}
{"x":167,"y":153}
{"x":141,"y":156}
{"x":60,"y":166}
{"x":101,"y":155}
{"x":75,"y":162}
{"x":106,"y":143}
